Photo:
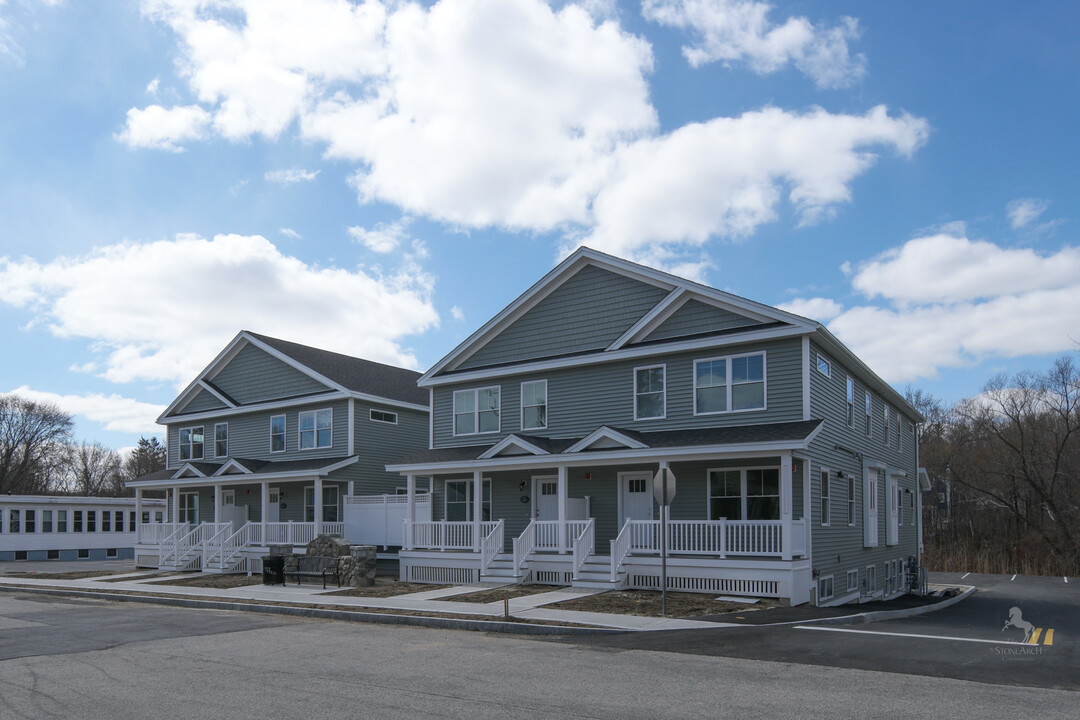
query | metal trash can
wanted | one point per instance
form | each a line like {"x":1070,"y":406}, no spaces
{"x":273,"y":569}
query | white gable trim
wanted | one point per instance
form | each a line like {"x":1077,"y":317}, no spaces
{"x":184,"y":397}
{"x":512,"y":441}
{"x":660,"y":312}
{"x":213,"y":391}
{"x":613,"y":439}
{"x":188,"y":468}
{"x":232,"y":464}
{"x":294,"y":364}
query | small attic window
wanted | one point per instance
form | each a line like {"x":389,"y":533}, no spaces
{"x":824,"y":366}
{"x":383,"y":416}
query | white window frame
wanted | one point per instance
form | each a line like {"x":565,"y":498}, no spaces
{"x":663,"y":392}
{"x":911,"y":507}
{"x":484,"y":504}
{"x":184,"y":508}
{"x":284,"y":433}
{"x":111,"y":553}
{"x":314,"y":429}
{"x":387,"y":413}
{"x":476,"y":411}
{"x":823,"y":365}
{"x":899,"y":431}
{"x":743,"y":489}
{"x":852,"y":514}
{"x":852,"y":580}
{"x":216,"y":453}
{"x":730,"y":383}
{"x":869,"y":415}
{"x":180,"y":444}
{"x":822,"y":582}
{"x":826,"y":497}
{"x":871,"y":580}
{"x":851,"y":401}
{"x":329,"y":487}
{"x":545,"y":405}
{"x":886,"y":415}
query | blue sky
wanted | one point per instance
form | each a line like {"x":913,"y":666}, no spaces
{"x":381,"y":178}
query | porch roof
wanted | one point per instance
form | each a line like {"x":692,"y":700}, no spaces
{"x":243,"y":471}
{"x":764,"y":437}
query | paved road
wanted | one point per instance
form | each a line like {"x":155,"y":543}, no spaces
{"x":966,"y":641}
{"x":99,"y":659}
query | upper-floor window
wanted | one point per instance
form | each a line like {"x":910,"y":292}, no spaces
{"x":277,"y":433}
{"x":383,"y":416}
{"x":824,"y":366}
{"x":851,"y":500}
{"x":221,"y":440}
{"x":887,"y":416}
{"x":191,"y":443}
{"x":869,"y":417}
{"x":477,"y":411}
{"x":825,"y":504}
{"x":899,"y":434}
{"x":316,"y":429}
{"x":650,"y":396}
{"x":534,"y":405}
{"x":850,"y":402}
{"x":729,"y":384}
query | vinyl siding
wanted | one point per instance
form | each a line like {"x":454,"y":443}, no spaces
{"x":696,"y":317}
{"x":202,"y":401}
{"x":582,"y":399}
{"x":839,"y":547}
{"x":254,"y":375}
{"x":587,"y":312}
{"x":380,"y":444}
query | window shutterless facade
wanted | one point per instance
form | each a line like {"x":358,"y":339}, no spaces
{"x":825,"y":588}
{"x":886,"y":417}
{"x":825,"y":506}
{"x":91,"y":521}
{"x":77,"y":520}
{"x":650,"y":392}
{"x":383,"y":416}
{"x":46,"y":521}
{"x":733,"y":383}
{"x":277,"y":433}
{"x":106,"y":521}
{"x":744,"y":494}
{"x":850,"y":402}
{"x":221,"y":440}
{"x":329,"y":506}
{"x":191,"y":443}
{"x":852,"y":580}
{"x":477,"y":411}
{"x":534,"y":405}
{"x":316,"y":429}
{"x":823,"y":365}
{"x":458,"y":500}
{"x":851,"y":500}
{"x":30,"y":520}
{"x":61,"y":521}
{"x":869,"y":416}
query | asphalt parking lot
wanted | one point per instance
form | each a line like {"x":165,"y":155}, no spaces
{"x":968,"y":641}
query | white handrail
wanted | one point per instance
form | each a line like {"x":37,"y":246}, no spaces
{"x":491,"y":543}
{"x":584,"y":545}
{"x":214,"y":545}
{"x":443,"y":534}
{"x":620,"y":548}
{"x":709,"y":537}
{"x":524,"y":545}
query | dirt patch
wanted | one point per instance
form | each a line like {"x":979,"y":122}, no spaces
{"x":497,"y":594}
{"x":385,"y":587}
{"x":647,"y":603}
{"x":211,"y":580}
{"x":77,"y":575}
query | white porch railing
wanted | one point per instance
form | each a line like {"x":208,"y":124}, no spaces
{"x":491,"y":544}
{"x":763,"y":538}
{"x":154,"y":533}
{"x":584,"y":545}
{"x":620,"y":548}
{"x":547,"y":534}
{"x":292,"y":533}
{"x":445,"y":534}
{"x":211,"y":550}
{"x":184,"y":551}
{"x":524,"y":545}
{"x":168,"y":545}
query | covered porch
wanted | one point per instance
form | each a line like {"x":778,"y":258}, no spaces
{"x":581,"y":512}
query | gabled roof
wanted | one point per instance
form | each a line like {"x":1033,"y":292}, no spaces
{"x":339,"y":373}
{"x":249,"y":470}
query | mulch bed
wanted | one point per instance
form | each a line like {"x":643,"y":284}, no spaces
{"x":211,"y":580}
{"x":386,"y":586}
{"x":647,"y":603}
{"x":498,"y":594}
{"x":76,"y":575}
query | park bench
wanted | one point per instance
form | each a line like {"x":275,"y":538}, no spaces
{"x":314,"y":566}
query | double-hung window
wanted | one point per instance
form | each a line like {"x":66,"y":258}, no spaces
{"x":277,"y":433}
{"x":744,"y":494}
{"x":459,"y":500}
{"x":729,"y":384}
{"x":850,"y":402}
{"x":191,"y":443}
{"x":825,"y":497}
{"x":824,"y":366}
{"x":106,"y":521}
{"x":534,"y":405}
{"x":477,"y":411}
{"x":851,"y":500}
{"x":650,"y":393}
{"x":221,"y":440}
{"x":329,"y":503}
{"x":887,"y":418}
{"x":46,"y":521}
{"x":725,"y":494}
{"x":869,"y":417}
{"x":316,"y":429}
{"x":61,"y":521}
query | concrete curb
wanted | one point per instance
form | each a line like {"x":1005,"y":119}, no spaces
{"x":349,"y":615}
{"x":878,"y":615}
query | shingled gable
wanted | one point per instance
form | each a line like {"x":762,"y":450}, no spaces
{"x":645,"y":299}
{"x":322,"y":372}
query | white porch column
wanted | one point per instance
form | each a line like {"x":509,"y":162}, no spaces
{"x":217,"y":503}
{"x":563,"y":492}
{"x":176,"y":504}
{"x":410,"y":510}
{"x":138,"y":507}
{"x":318,"y":505}
{"x":478,"y":507}
{"x":785,"y":504}
{"x":805,"y":465}
{"x":264,"y":504}
{"x":352,"y":487}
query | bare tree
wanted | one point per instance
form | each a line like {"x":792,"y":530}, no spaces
{"x":31,"y":435}
{"x":94,"y":469}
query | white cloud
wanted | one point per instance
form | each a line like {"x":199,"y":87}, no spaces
{"x":152,"y":87}
{"x":384,"y":237}
{"x":741,"y":31}
{"x":148,"y":326}
{"x":290,"y":233}
{"x":953,"y":302}
{"x":291,"y":176}
{"x":163,"y":128}
{"x":457,"y":313}
{"x":114,"y":412}
{"x":1024,"y":211}
{"x":820,"y":309}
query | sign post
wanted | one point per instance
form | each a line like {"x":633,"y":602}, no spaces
{"x":664,"y":492}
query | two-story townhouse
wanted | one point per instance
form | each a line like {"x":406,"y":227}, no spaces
{"x":269,"y":444}
{"x":550,"y":423}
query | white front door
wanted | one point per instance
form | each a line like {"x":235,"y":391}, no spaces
{"x":546,"y":489}
{"x":635,"y":496}
{"x":273,"y":500}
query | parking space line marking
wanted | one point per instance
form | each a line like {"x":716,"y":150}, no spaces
{"x":1012,"y":578}
{"x":907,"y":635}
{"x":964,"y":575}
{"x":1035,"y":637}
{"x":1066,"y":580}
{"x":1049,"y":639}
